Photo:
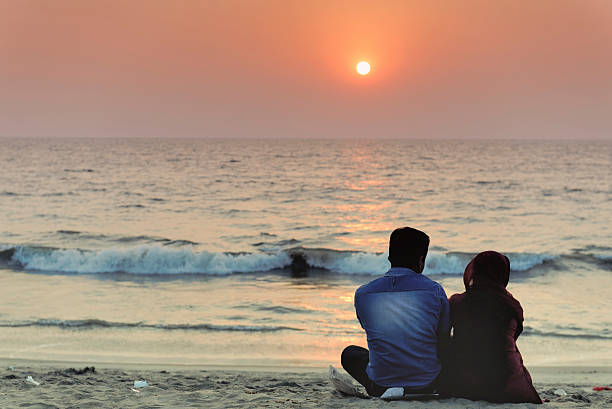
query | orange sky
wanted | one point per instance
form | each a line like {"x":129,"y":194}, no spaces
{"x":249,"y":68}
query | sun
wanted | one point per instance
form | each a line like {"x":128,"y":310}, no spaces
{"x":363,"y":68}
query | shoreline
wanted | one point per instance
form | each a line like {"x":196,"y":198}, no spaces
{"x":220,"y":386}
{"x":545,"y":370}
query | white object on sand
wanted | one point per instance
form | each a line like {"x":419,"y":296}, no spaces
{"x":343,"y":383}
{"x":31,"y":380}
{"x":399,"y":393}
{"x":393,"y":394}
{"x":559,"y":392}
{"x":140,"y":384}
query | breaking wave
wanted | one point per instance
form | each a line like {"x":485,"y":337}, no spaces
{"x":153,"y":259}
{"x":159,"y":259}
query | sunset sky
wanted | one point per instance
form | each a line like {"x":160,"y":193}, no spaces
{"x":229,"y":68}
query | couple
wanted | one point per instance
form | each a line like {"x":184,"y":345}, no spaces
{"x":407,"y":319}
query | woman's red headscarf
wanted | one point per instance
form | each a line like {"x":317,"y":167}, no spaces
{"x":490,"y":270}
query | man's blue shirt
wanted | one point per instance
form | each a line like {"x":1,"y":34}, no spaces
{"x":403,"y":314}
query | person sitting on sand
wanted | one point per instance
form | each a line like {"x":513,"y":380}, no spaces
{"x":406,"y":317}
{"x":484,"y":362}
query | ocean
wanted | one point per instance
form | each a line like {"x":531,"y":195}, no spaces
{"x":192,"y":251}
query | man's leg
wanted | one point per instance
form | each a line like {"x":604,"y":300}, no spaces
{"x":355,"y":361}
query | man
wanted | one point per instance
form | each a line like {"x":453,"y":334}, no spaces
{"x":406,"y":319}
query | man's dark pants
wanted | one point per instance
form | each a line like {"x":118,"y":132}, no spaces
{"x":355,"y":361}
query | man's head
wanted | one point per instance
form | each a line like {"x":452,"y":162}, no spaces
{"x":408,"y":248}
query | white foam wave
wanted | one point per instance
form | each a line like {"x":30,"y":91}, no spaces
{"x":527,"y":261}
{"x":348,"y":262}
{"x":146,"y":260}
{"x":446,"y":263}
{"x":455,"y":263}
{"x":436,"y":262}
{"x":376,"y":264}
{"x":157,"y":259}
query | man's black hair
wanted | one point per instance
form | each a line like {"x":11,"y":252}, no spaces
{"x":407,"y":246}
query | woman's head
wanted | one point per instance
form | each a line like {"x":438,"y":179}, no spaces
{"x":487,"y":269}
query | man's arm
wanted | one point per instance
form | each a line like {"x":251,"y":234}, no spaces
{"x":357,"y":308}
{"x":443,"y":326}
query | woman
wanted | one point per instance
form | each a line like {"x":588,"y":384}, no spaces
{"x":484,"y":362}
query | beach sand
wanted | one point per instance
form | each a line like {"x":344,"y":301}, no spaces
{"x":112,"y":385}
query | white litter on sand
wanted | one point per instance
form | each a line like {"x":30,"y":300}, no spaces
{"x":344,"y":384}
{"x":31,"y":380}
{"x":140,"y":384}
{"x":393,"y":394}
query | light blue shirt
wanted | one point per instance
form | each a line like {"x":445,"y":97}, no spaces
{"x":403,"y":314}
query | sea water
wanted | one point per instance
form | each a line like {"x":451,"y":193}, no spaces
{"x":184,"y":251}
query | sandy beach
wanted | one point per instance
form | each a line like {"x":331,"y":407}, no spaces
{"x":108,"y":385}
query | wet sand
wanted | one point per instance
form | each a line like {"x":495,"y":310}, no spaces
{"x":112,"y":385}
